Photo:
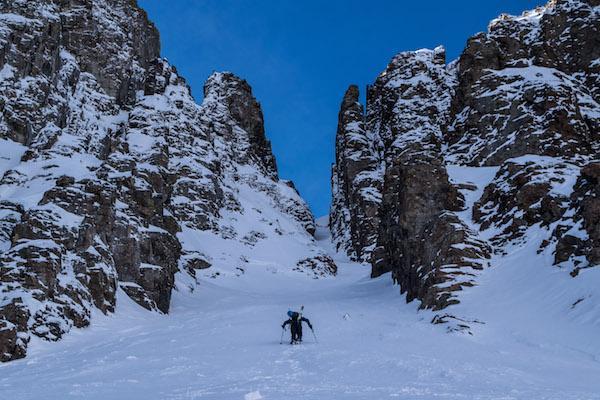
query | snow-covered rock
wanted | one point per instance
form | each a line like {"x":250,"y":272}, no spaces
{"x":411,"y":224}
{"x":530,"y":86}
{"x":356,"y":182}
{"x":578,"y":232}
{"x":521,"y":99}
{"x":113,"y":177}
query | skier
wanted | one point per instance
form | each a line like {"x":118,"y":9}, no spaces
{"x":295,"y":322}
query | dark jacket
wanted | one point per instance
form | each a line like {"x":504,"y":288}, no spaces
{"x":296,"y":323}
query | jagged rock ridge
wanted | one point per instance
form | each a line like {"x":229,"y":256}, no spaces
{"x":355,"y":180}
{"x":113,"y":178}
{"x":521,"y":98}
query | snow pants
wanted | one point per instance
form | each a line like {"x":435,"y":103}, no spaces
{"x":296,"y":332}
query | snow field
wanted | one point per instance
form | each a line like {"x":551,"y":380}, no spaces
{"x":222,"y":342}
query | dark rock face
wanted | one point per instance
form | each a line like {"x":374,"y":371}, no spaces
{"x":523,"y":193}
{"x":114,"y":172}
{"x":84,"y":229}
{"x":413,"y":231}
{"x":429,"y":250}
{"x":521,"y":98}
{"x":405,"y":108}
{"x":13,"y":340}
{"x":587,"y":194}
{"x":529,"y":86}
{"x":419,"y":234}
{"x":527,"y":100}
{"x":579,"y":236}
{"x":108,"y":39}
{"x":356,"y":182}
{"x":243,"y":108}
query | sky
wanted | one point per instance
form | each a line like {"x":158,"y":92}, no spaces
{"x":300,"y":56}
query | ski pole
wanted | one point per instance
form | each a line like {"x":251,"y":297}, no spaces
{"x":315,"y":336}
{"x":282,"y":332}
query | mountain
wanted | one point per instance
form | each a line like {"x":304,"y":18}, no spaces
{"x":452,"y":168}
{"x":113,"y":178}
{"x":163,"y":227}
{"x":115,"y":183}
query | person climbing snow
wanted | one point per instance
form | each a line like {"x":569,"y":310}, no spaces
{"x":295,"y":322}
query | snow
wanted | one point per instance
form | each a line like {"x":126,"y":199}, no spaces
{"x":38,"y":176}
{"x":141,"y":143}
{"x":561,"y":174}
{"x":221,"y":341}
{"x":515,"y":80}
{"x":253,"y":396}
{"x":14,"y":18}
{"x":7,"y":72}
{"x":10,"y":154}
{"x":479,"y":177}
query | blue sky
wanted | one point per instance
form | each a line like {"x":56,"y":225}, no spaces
{"x":300,"y":56}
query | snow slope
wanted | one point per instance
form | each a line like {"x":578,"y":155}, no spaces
{"x":222,"y":342}
{"x":522,"y":291}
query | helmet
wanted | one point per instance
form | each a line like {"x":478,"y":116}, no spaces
{"x":290,"y":313}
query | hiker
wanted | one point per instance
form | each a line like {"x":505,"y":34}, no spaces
{"x":295,"y":322}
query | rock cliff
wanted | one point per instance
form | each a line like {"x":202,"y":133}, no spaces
{"x":113,"y":179}
{"x":520,"y":101}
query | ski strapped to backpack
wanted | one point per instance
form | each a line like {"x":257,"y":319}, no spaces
{"x":295,"y":315}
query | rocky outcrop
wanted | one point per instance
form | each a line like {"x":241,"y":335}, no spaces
{"x":420,"y":236}
{"x":578,"y":234}
{"x":522,"y":98}
{"x":356,"y":182}
{"x":527,"y":100}
{"x":414,"y":231}
{"x":235,"y":95}
{"x":429,"y":250}
{"x":526,"y":191}
{"x":529,"y":86}
{"x":114,"y":179}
